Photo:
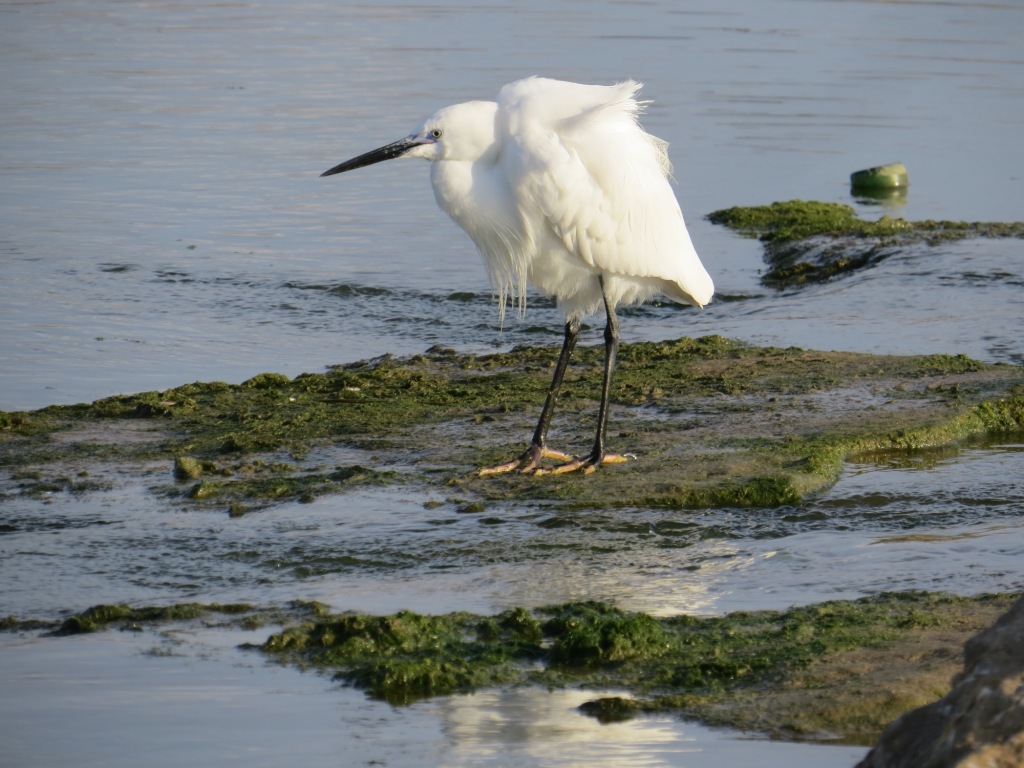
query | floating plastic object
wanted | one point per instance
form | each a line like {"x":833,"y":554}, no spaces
{"x":891,"y":176}
{"x":885,"y":184}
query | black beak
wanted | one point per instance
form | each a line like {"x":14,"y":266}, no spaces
{"x":389,"y":152}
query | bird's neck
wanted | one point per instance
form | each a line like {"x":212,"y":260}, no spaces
{"x":475,"y":194}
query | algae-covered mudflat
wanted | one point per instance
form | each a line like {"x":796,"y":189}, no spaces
{"x":811,"y":241}
{"x":712,"y":424}
{"x":838,"y":671}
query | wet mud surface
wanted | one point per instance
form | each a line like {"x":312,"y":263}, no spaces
{"x":711,"y":422}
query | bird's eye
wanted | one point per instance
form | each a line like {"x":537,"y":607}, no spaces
{"x":436,"y":133}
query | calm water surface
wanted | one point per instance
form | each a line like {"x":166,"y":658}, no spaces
{"x":162,"y":217}
{"x":161,"y":221}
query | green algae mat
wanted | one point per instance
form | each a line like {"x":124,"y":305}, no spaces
{"x":711,"y":422}
{"x":837,"y":671}
{"x":811,"y":242}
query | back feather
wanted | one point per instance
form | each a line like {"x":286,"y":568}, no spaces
{"x":577,"y":154}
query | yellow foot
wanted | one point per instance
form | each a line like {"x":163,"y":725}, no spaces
{"x":586,"y":465}
{"x":527,"y":463}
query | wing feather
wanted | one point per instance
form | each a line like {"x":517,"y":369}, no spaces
{"x":580,"y":165}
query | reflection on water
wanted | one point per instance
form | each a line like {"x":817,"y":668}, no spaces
{"x":528,"y":727}
{"x":108,"y":699}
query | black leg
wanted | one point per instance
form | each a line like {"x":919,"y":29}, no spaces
{"x":611,"y":351}
{"x":529,"y":461}
{"x":597,"y":455}
{"x":572,"y":335}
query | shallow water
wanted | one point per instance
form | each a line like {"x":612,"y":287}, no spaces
{"x":161,"y":221}
{"x":939,"y":520}
{"x":946,"y":520}
{"x":153,"y":702}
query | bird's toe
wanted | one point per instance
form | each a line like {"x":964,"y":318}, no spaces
{"x":500,"y":469}
{"x":529,"y":462}
{"x":586,"y":464}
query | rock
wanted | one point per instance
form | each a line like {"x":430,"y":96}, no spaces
{"x":187,"y":468}
{"x":980,"y":723}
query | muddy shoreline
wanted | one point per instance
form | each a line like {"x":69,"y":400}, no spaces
{"x":835,"y":672}
{"x":712,"y":422}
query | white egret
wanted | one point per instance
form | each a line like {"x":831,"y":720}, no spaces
{"x":559,"y":186}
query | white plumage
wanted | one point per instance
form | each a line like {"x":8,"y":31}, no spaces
{"x":559,"y":187}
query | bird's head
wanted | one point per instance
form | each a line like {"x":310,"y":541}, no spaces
{"x":461,"y":132}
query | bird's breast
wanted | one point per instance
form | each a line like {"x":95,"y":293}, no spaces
{"x":477,"y":197}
